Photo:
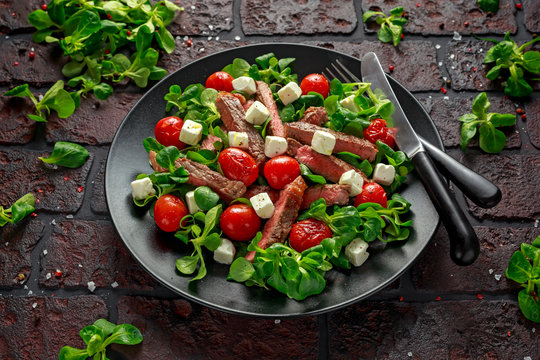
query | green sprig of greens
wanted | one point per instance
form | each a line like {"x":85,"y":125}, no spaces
{"x":98,"y":336}
{"x":491,"y":139}
{"x":18,"y":211}
{"x":524,"y":268}
{"x":67,"y":154}
{"x":513,"y":64}
{"x":391,"y":26}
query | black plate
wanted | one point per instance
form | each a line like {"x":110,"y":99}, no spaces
{"x":157,"y":251}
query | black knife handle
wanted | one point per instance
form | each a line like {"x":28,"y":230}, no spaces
{"x":464,"y":246}
{"x":480,"y":190}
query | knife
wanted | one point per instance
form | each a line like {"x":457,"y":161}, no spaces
{"x":464,"y":245}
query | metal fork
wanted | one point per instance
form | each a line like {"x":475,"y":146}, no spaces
{"x":476,"y":187}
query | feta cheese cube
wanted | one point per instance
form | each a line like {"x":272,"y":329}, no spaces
{"x":257,"y":113}
{"x":191,"y":132}
{"x":244,"y":84}
{"x":142,"y":188}
{"x":224,"y":254}
{"x":191,"y":203}
{"x":289,"y":93}
{"x":384,"y":174}
{"x":349,"y":104}
{"x":262,"y":205}
{"x":323,"y":142}
{"x":238,"y":139}
{"x":353,"y":179}
{"x":274,"y":146}
{"x":356,"y":252}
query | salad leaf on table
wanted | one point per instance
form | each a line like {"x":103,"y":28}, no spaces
{"x":18,"y":211}
{"x":67,"y":154}
{"x":391,"y":28}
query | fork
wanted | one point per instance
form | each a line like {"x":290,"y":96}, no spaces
{"x":477,"y":188}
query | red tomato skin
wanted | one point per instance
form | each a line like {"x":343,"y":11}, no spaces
{"x":240,"y":222}
{"x":373,"y":193}
{"x":308,"y":233}
{"x":377,"y":130}
{"x":316,"y":83}
{"x":280,"y":171}
{"x":237,"y":164}
{"x":168,"y":212}
{"x":167,"y":131}
{"x":221,"y":81}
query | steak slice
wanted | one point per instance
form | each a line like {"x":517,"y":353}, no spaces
{"x":279,"y":225}
{"x":330,"y":167}
{"x":248,"y":104}
{"x":315,"y":115}
{"x":333,"y":194}
{"x":259,"y":189}
{"x":292,"y":147}
{"x":201,"y":175}
{"x":303,"y":132}
{"x":264,"y":95}
{"x":233,"y":116}
{"x":208,"y":143}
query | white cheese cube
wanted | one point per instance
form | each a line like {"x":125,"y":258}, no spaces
{"x":191,"y":132}
{"x":356,"y":252}
{"x":142,"y":188}
{"x":238,"y":139}
{"x":274,"y":146}
{"x":323,"y":142}
{"x":353,"y":179}
{"x":257,"y":113}
{"x":262,"y":205}
{"x":244,"y":84}
{"x":191,"y":203}
{"x":384,"y":174}
{"x":289,"y":93}
{"x":349,"y":104}
{"x":224,"y":254}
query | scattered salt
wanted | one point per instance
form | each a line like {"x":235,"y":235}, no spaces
{"x":444,"y":78}
{"x":25,"y":287}
{"x":533,"y":330}
{"x":440,"y":63}
{"x":7,"y":37}
{"x":498,"y":277}
{"x":409,"y":354}
{"x":437,"y":46}
{"x":48,"y":276}
{"x":446,"y":98}
{"x":201,"y":49}
{"x":34,"y":305}
{"x":80,"y":265}
{"x":69,"y":216}
{"x":178,"y":38}
{"x":480,"y":50}
{"x":456,"y":37}
{"x":32,"y":49}
{"x":114,"y":284}
{"x":7,"y":243}
{"x":277,"y":321}
{"x":91,"y":286}
{"x":40,"y":97}
{"x":211,"y":27}
{"x":237,"y":38}
{"x":186,"y":38}
{"x":536,"y":223}
{"x":209,"y":38}
{"x":217,"y":38}
{"x":192,"y":7}
{"x":53,"y":222}
{"x":30,"y":292}
{"x":45,"y":252}
{"x":527,"y":358}
{"x":490,"y":271}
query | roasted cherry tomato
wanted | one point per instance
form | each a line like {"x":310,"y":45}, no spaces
{"x":316,"y":83}
{"x":168,"y":212}
{"x":240,"y":222}
{"x":308,"y":233}
{"x":238,"y":165}
{"x":377,"y":130}
{"x":167,"y":131}
{"x":372,"y":193}
{"x":221,"y":81}
{"x":280,"y":171}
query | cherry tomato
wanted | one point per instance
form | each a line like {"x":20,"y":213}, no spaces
{"x":238,"y":165}
{"x":308,"y":233}
{"x":168,"y":212}
{"x":167,"y":131}
{"x":221,"y":81}
{"x":280,"y":171}
{"x":377,"y":130}
{"x":373,"y":193}
{"x":240,"y":222}
{"x":316,"y":83}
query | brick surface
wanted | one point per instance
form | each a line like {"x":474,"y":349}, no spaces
{"x":16,"y":245}
{"x":90,"y":251}
{"x":94,"y":123}
{"x":39,"y":332}
{"x":57,"y":190}
{"x":203,"y":18}
{"x":445,"y":112}
{"x":531,"y":9}
{"x":518,"y":202}
{"x":297,"y":17}
{"x":97,"y":199}
{"x":435,"y":271}
{"x":15,"y":127}
{"x":46,"y":67}
{"x":14,"y":14}
{"x":438,"y":18}
{"x":533,"y":121}
{"x":462,"y":58}
{"x":209,"y":334}
{"x":436,"y":330}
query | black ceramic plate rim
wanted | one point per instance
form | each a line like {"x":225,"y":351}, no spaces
{"x":140,"y":259}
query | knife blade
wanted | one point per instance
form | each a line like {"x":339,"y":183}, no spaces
{"x":464,"y":245}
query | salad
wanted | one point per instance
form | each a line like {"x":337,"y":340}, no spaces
{"x":281,"y":179}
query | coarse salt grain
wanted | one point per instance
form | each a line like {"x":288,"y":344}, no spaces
{"x":48,"y":276}
{"x":217,"y":38}
{"x":409,"y":354}
{"x":91,"y":286}
{"x":527,"y":358}
{"x":45,"y":252}
{"x":30,"y":292}
{"x":114,"y":284}
{"x":34,"y":305}
{"x":446,"y":98}
{"x":490,"y":271}
{"x":498,"y":277}
{"x":437,"y":46}
{"x":209,"y":38}
{"x":536,"y":223}
{"x":277,"y":321}
{"x":211,"y":27}
{"x":186,"y":38}
{"x":7,"y":243}
{"x":457,"y":36}
{"x":201,"y":49}
{"x":80,"y":265}
{"x":192,"y":7}
{"x":53,"y":222}
{"x":40,"y":97}
{"x":237,"y":38}
{"x":69,"y":216}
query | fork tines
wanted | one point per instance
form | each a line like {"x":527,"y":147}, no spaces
{"x":345,"y":74}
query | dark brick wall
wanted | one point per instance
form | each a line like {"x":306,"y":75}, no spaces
{"x":436,"y":310}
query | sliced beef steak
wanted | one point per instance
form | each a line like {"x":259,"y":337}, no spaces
{"x":208,"y":143}
{"x":303,"y":132}
{"x":259,"y":189}
{"x":333,"y":194}
{"x":315,"y":115}
{"x":264,"y":95}
{"x":293,"y":146}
